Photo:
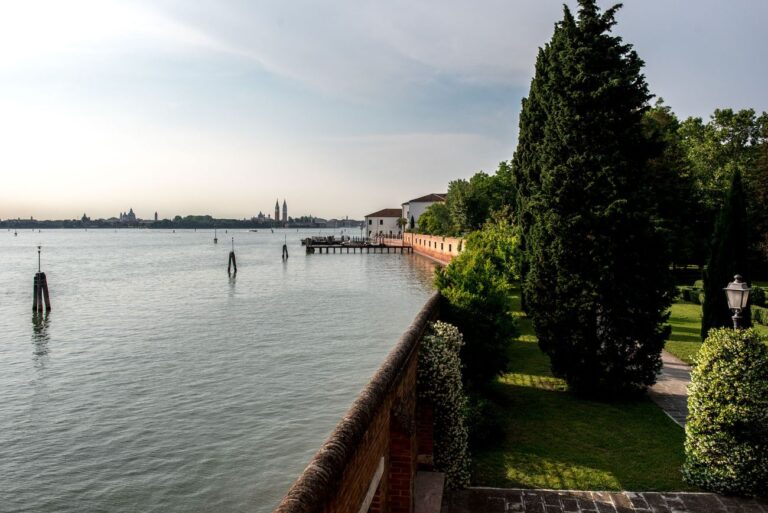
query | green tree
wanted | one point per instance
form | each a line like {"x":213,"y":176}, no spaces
{"x":760,"y":219}
{"x":729,"y":257}
{"x":598,"y":283}
{"x":477,"y":286}
{"x":472,"y":201}
{"x":436,"y":220}
{"x":677,"y":204}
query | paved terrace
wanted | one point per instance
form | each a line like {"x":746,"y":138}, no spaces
{"x":491,"y":500}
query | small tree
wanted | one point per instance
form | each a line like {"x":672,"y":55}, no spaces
{"x":729,"y":257}
{"x":477,"y":285}
{"x":726,"y":436}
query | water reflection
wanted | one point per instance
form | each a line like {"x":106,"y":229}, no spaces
{"x":232,"y":282}
{"x":424,"y":269}
{"x":40,"y":336}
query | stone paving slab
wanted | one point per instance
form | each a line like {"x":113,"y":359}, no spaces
{"x":671,"y":389}
{"x":497,"y":500}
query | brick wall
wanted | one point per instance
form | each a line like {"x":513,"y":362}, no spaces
{"x":443,"y":249}
{"x":378,"y":439}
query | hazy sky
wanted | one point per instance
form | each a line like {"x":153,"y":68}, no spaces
{"x":343,"y":107}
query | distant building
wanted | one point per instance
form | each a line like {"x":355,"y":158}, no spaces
{"x":129,"y":217}
{"x":384,"y":222}
{"x":155,"y":215}
{"x":285,"y":213}
{"x":413,"y":209}
{"x":277,"y":210}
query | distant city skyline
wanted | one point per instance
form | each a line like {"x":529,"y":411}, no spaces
{"x":345,"y":107}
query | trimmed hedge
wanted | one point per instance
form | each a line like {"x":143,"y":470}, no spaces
{"x":692,"y":294}
{"x":757,"y":296}
{"x":760,"y":315}
{"x":726,"y":436}
{"x":695,"y":294}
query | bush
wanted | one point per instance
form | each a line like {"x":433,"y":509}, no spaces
{"x":757,"y":296}
{"x":478,"y":285}
{"x":484,"y":422}
{"x":439,"y":382}
{"x":759,"y":315}
{"x":692,"y":294}
{"x":726,"y":437}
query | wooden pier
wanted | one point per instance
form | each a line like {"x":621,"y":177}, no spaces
{"x":354,"y":247}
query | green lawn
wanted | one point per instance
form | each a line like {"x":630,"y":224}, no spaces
{"x":685,"y":340}
{"x":553,"y":439}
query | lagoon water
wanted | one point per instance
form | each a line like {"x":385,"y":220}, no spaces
{"x":158,"y":384}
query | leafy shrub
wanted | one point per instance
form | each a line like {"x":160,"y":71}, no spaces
{"x":726,"y":437}
{"x":759,"y":315}
{"x":484,"y":423}
{"x":757,"y":296}
{"x":692,"y":294}
{"x":478,"y":285}
{"x":439,"y":382}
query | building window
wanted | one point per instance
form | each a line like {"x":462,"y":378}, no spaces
{"x":370,"y":222}
{"x":441,"y":246}
{"x":449,"y":248}
{"x":381,"y":221}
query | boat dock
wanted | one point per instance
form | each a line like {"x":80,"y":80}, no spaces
{"x":354,"y":246}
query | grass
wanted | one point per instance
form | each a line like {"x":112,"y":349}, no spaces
{"x":553,"y":439}
{"x":685,"y":340}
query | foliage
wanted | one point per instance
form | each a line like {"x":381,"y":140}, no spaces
{"x":596,"y":293}
{"x":726,"y":443}
{"x":436,"y":220}
{"x":555,"y":439}
{"x":729,"y":257}
{"x":484,"y":421}
{"x":439,"y":382}
{"x":468,"y":204}
{"x":760,"y":315}
{"x":731,"y":141}
{"x":472,"y":201}
{"x":676,"y":202}
{"x":693,"y":295}
{"x":477,"y":285}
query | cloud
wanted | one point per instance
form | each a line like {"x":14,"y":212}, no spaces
{"x":34,"y":31}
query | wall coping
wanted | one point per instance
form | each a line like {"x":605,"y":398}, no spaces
{"x":320,"y":479}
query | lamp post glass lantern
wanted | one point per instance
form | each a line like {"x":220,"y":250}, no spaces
{"x":737,"y":293}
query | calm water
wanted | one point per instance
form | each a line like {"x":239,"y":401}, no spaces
{"x":157,"y":383}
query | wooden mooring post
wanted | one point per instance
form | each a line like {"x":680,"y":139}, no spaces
{"x":285,"y":248}
{"x":40,"y":294}
{"x":232,"y":261}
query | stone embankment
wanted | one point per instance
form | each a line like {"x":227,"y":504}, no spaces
{"x":369,"y":462}
{"x":441,"y":249}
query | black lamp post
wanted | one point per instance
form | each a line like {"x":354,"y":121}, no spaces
{"x":737,"y":293}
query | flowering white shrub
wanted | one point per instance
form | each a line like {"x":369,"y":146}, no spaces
{"x":726,"y":437}
{"x":439,"y":382}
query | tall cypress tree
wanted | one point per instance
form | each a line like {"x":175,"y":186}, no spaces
{"x":730,"y":255}
{"x":597,"y":281}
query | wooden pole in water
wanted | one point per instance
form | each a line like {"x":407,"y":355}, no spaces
{"x":285,"y":248}
{"x":44,"y":289}
{"x":232,"y":261}
{"x":35,"y":290}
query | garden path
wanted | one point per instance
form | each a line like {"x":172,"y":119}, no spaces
{"x":671,"y":390}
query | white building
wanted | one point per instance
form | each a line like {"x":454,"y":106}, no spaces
{"x":413,"y":209}
{"x":384,"y":222}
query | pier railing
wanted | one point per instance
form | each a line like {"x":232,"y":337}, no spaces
{"x":369,"y":461}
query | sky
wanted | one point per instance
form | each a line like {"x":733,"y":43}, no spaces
{"x":341,"y":107}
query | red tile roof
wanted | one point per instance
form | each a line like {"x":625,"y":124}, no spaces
{"x":387,"y":212}
{"x":429,"y":198}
